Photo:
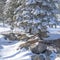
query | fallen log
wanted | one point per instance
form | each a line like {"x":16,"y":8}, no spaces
{"x":13,"y":35}
{"x":53,"y":43}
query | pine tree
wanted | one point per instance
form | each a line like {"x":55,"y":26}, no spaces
{"x":9,"y":9}
{"x":35,"y":15}
{"x":32,"y":16}
{"x":2,"y":3}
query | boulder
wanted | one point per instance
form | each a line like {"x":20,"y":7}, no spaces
{"x":37,"y":57}
{"x":38,"y":48}
{"x":48,"y":52}
{"x":10,"y":36}
{"x":48,"y":58}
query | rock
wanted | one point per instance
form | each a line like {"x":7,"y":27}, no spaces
{"x":37,"y":57}
{"x":48,"y":58}
{"x":10,"y":36}
{"x":48,"y":53}
{"x":38,"y":48}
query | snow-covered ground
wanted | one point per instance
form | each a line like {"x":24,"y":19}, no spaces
{"x":8,"y":49}
{"x":54,"y":33}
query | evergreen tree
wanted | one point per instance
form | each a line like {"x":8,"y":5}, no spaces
{"x":9,"y":9}
{"x":32,"y":16}
{"x":2,"y":3}
{"x":35,"y":15}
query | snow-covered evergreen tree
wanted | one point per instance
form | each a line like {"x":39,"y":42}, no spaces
{"x":9,"y":9}
{"x":35,"y":15}
{"x":2,"y":3}
{"x":32,"y":16}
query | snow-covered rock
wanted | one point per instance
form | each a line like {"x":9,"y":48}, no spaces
{"x":38,"y":48}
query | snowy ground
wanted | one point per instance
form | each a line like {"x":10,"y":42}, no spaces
{"x":8,"y":51}
{"x":54,"y":33}
{"x":8,"y":48}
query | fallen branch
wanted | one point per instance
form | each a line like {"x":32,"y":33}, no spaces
{"x":53,"y":43}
